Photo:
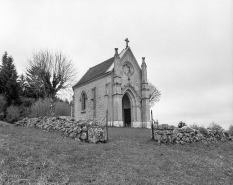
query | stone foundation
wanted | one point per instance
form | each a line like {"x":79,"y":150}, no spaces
{"x":118,"y":123}
{"x":133,"y":124}
{"x":146,"y":124}
{"x":89,"y":130}
{"x":136,"y":124}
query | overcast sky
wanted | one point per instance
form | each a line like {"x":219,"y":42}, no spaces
{"x":187,"y":45}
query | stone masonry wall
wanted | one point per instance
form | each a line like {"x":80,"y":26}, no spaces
{"x":101,"y":99}
{"x":169,"y":134}
{"x":90,"y":131}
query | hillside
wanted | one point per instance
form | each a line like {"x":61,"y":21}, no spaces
{"x":32,"y":156}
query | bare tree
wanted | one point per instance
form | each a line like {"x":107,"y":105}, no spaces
{"x":154,"y":94}
{"x":48,"y":73}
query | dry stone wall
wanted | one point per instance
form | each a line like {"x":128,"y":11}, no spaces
{"x":89,"y":130}
{"x":170,"y":134}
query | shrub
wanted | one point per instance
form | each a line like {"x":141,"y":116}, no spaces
{"x":41,"y":108}
{"x":62,"y":109}
{"x":28,"y":102}
{"x":181,"y":124}
{"x":215,"y":127}
{"x":203,"y":130}
{"x":26,"y":106}
{"x":3,"y":104}
{"x":194,"y":126}
{"x":25,"y":111}
{"x":12,"y":114}
{"x":230,"y":131}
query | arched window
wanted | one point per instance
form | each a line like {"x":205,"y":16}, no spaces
{"x":83,"y":100}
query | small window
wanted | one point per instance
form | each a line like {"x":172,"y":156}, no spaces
{"x":93,"y":93}
{"x":106,"y":89}
{"x":83,"y":100}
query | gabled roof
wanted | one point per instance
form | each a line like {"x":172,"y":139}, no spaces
{"x":99,"y":69}
{"x":96,"y":71}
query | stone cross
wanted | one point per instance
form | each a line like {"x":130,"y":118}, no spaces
{"x":127,"y":41}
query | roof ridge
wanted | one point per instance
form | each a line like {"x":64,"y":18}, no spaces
{"x":101,"y":63}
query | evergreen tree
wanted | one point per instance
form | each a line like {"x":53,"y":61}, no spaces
{"x":48,"y":73}
{"x":30,"y":87}
{"x":2,"y":79}
{"x":35,"y":87}
{"x":9,"y":85}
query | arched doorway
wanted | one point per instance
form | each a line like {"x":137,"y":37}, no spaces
{"x":126,"y":110}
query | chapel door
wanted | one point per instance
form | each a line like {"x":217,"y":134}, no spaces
{"x":126,"y":110}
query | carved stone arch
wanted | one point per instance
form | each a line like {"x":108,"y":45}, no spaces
{"x":134,"y":101}
{"x":131,"y":96}
{"x":131,"y":89}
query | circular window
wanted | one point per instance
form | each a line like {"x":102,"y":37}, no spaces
{"x":128,"y":69}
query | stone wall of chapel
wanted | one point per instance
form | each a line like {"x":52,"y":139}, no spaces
{"x":102,"y":99}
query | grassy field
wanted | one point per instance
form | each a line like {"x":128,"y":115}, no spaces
{"x":32,"y":156}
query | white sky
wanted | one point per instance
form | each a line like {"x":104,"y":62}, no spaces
{"x":187,"y":45}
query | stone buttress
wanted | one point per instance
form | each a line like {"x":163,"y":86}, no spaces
{"x":145,"y":97}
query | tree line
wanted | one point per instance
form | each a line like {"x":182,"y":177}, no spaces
{"x":47,"y":73}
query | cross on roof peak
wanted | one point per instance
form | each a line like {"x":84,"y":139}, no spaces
{"x":127,"y":41}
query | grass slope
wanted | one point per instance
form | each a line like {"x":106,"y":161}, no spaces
{"x":32,"y":156}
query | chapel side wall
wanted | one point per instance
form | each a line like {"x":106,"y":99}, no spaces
{"x":101,"y":99}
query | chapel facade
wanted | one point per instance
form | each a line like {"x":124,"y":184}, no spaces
{"x":118,"y":85}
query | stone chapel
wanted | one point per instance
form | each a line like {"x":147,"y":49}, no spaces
{"x":118,"y":85}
